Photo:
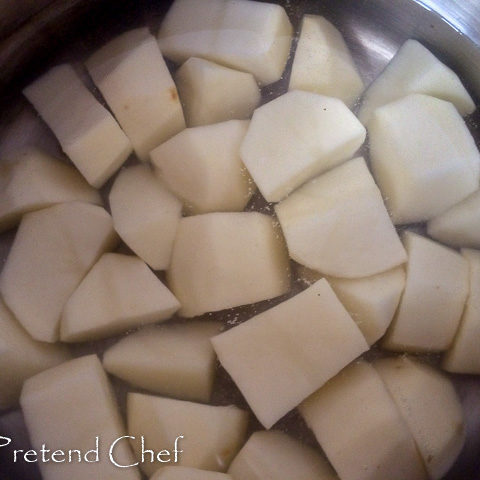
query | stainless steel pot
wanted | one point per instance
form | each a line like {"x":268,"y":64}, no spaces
{"x":67,"y":30}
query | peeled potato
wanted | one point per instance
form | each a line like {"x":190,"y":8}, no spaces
{"x":323,"y":64}
{"x":337,"y":224}
{"x":290,"y":350}
{"x":53,"y":250}
{"x":414,"y":69}
{"x":86,"y":130}
{"x":360,"y":428}
{"x":433,"y":300}
{"x":274,"y":455}
{"x":296,"y":137}
{"x":185,"y":473}
{"x":429,"y":405}
{"x":37,"y":180}
{"x":136,"y":83}
{"x":424,"y":158}
{"x":213,"y":93}
{"x":211,"y":435}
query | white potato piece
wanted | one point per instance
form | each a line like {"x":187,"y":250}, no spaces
{"x":202,"y":166}
{"x":22,"y":357}
{"x":428,"y":403}
{"x":77,"y":399}
{"x":370,"y":301}
{"x":253,"y":37}
{"x":338,"y":225}
{"x":423,"y":157}
{"x":145,"y":215}
{"x":274,"y":455}
{"x":211,"y":435}
{"x":296,"y":137}
{"x":225,"y":260}
{"x":211,"y":93}
{"x":175,"y":360}
{"x":360,"y":429}
{"x":118,"y":293}
{"x":284,"y":354}
{"x":36,"y":180}
{"x":459,"y":226}
{"x":54,"y":248}
{"x":86,"y":130}
{"x":464,"y":354}
{"x":136,"y":83}
{"x":186,"y":473}
{"x":414,"y":69}
{"x":323,"y":63}
{"x":435,"y":292}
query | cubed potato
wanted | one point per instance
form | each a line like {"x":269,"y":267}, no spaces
{"x":414,"y":69}
{"x":323,"y":63}
{"x":360,"y":429}
{"x":36,"y":180}
{"x":459,"y":226}
{"x":145,"y":215}
{"x":53,"y":250}
{"x":136,"y":83}
{"x":253,"y":37}
{"x":203,"y":167}
{"x":274,"y":455}
{"x":66,"y":408}
{"x":86,"y":130}
{"x":211,"y":93}
{"x":296,"y":137}
{"x":338,"y":225}
{"x":224,"y":260}
{"x":211,"y":435}
{"x":423,"y":157}
{"x":284,"y":354}
{"x":429,"y":405}
{"x":176,"y":360}
{"x":435,"y":292}
{"x":464,"y":354}
{"x":118,"y":293}
{"x":186,"y":473}
{"x":22,"y":357}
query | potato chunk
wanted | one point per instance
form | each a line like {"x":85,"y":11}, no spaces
{"x":66,"y":408}
{"x":176,"y":360}
{"x":145,"y":215}
{"x":360,"y":428}
{"x":338,"y":225}
{"x":213,"y":93}
{"x":295,"y":137}
{"x":464,"y":354}
{"x":459,"y":226}
{"x":253,"y":37}
{"x":86,"y":130}
{"x":203,"y":167}
{"x":53,"y":250}
{"x":428,"y":403}
{"x":284,"y":354}
{"x":434,"y":297}
{"x":136,"y":83}
{"x":36,"y":180}
{"x":323,"y":64}
{"x":224,"y":260}
{"x":22,"y":357}
{"x":118,"y":293}
{"x":186,"y":473}
{"x":423,"y":157}
{"x":211,"y":435}
{"x":414,"y":69}
{"x":274,"y":455}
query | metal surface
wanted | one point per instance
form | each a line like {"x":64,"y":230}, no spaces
{"x":68,"y":30}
